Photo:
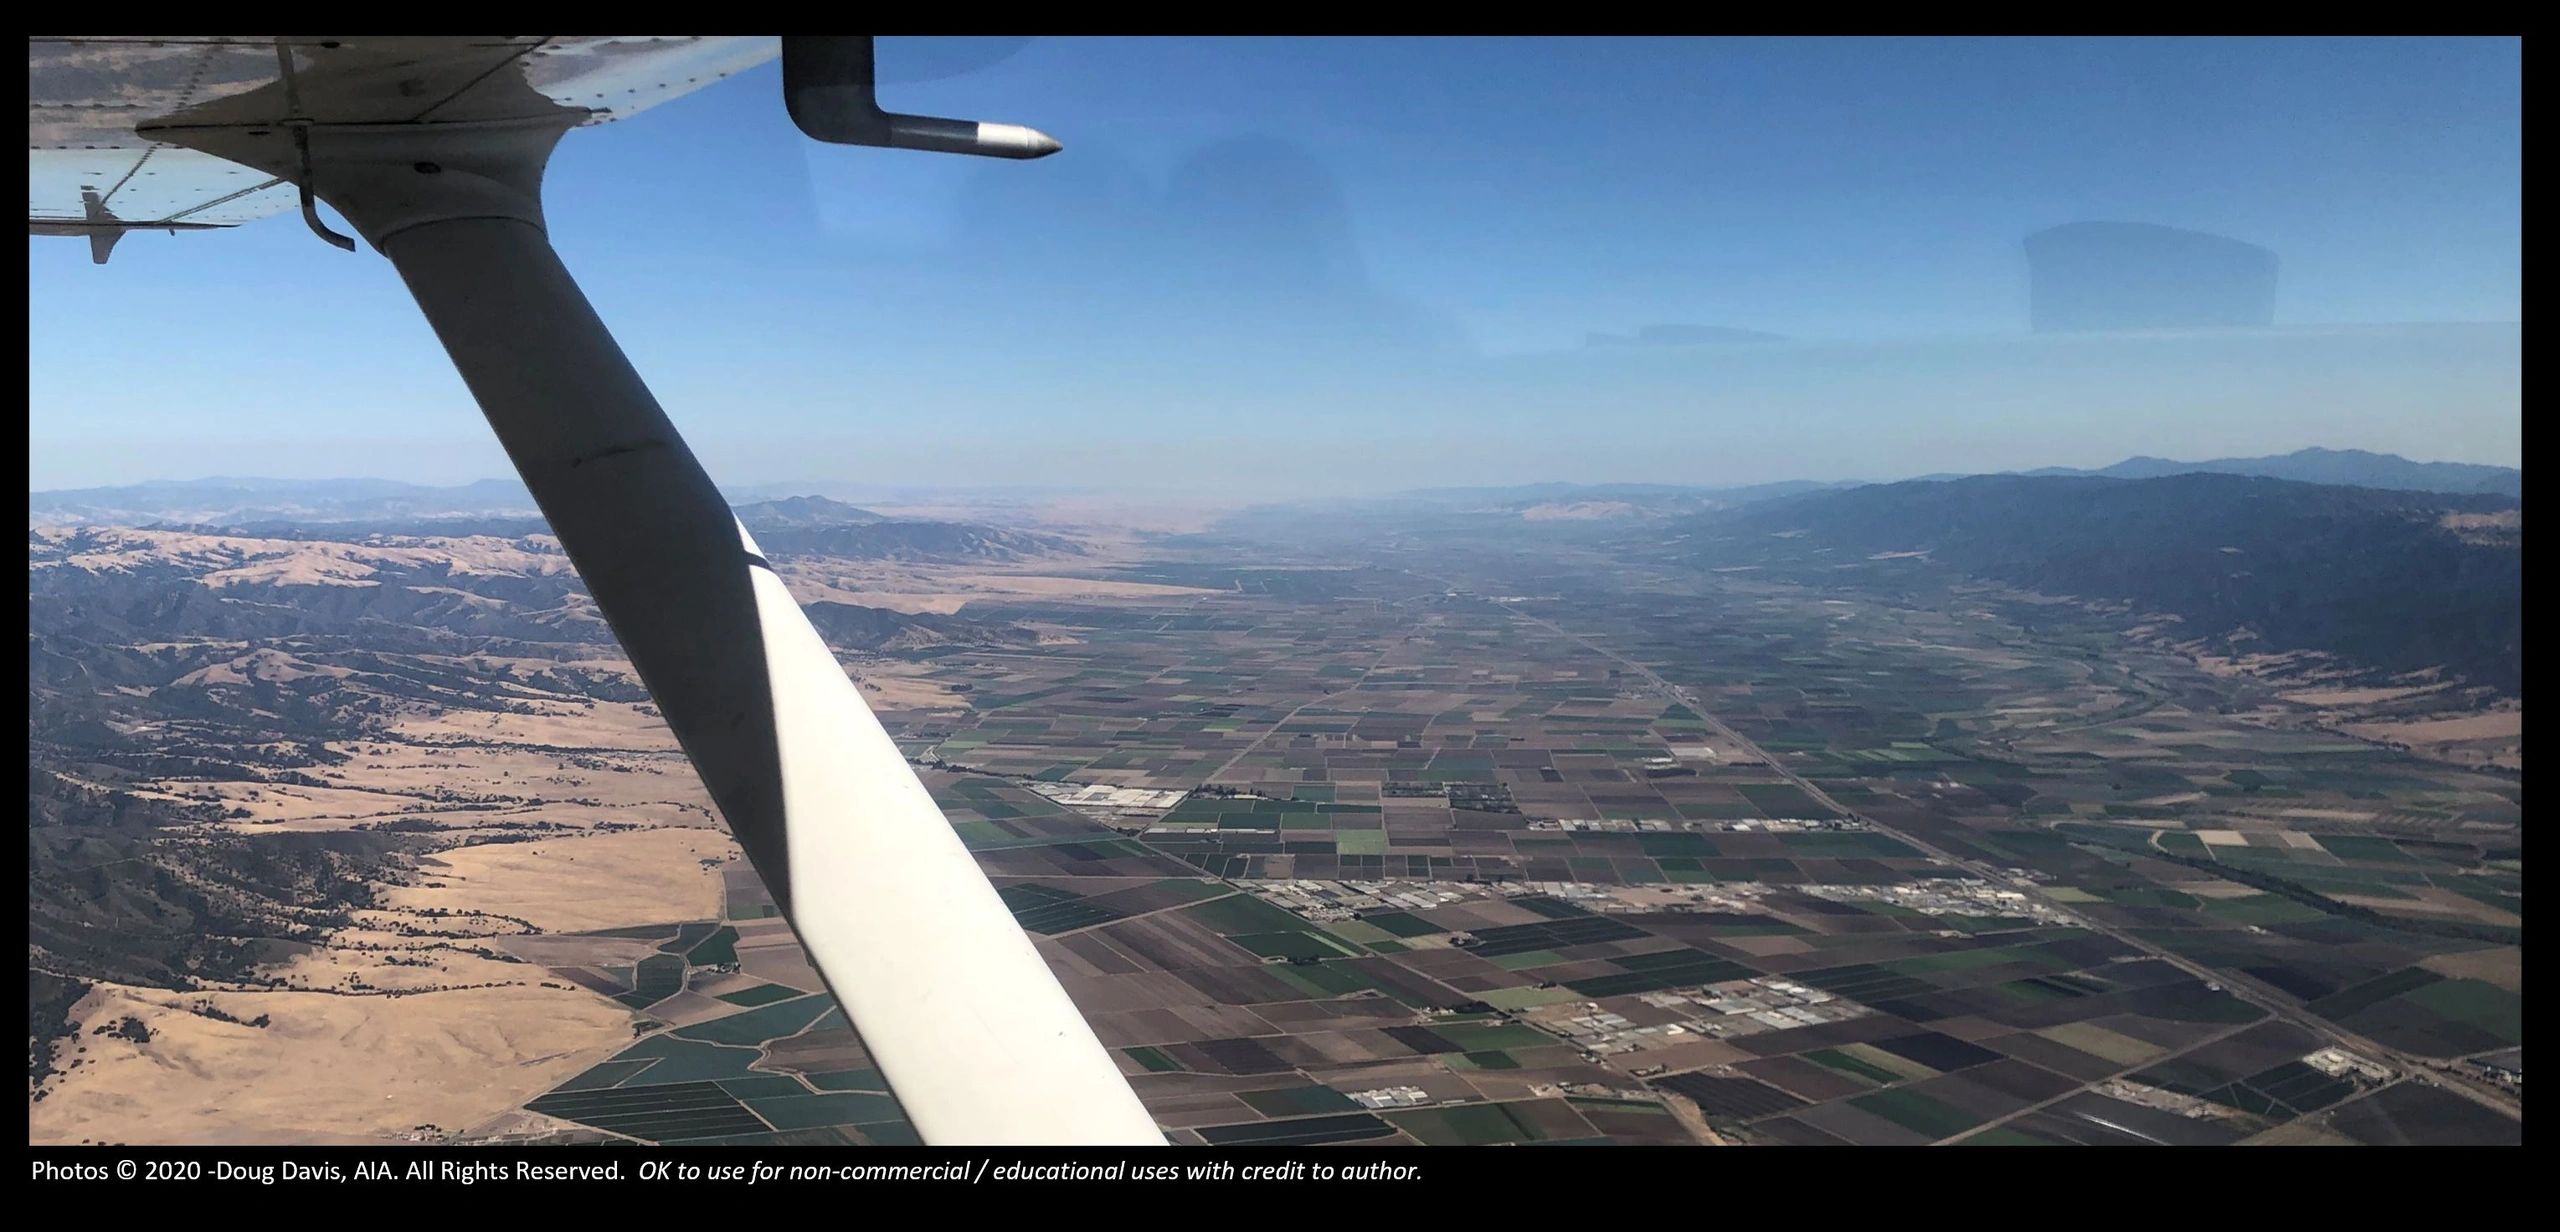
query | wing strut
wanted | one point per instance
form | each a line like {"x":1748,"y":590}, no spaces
{"x":964,"y":1018}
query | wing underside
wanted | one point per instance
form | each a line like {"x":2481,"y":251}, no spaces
{"x":89,"y":173}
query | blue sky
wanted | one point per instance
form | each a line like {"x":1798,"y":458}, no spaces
{"x":1311,"y":266}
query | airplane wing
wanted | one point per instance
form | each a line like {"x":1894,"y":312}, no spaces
{"x":433,"y":148}
{"x":89,"y":173}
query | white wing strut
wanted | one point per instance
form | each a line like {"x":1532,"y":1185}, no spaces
{"x":963,"y":1017}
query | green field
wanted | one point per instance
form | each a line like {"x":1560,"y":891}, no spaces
{"x":1465,"y":1125}
{"x":1917,"y":1112}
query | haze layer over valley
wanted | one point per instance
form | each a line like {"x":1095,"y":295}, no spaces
{"x":2050,"y":808}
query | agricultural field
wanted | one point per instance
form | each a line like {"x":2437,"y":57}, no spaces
{"x":2026,"y":880}
{"x":1471,"y":840}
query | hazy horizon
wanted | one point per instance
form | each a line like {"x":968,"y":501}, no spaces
{"x":753,"y":488}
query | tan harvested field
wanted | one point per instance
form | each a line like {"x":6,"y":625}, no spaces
{"x":892,"y":685}
{"x":816,"y":1051}
{"x":2439,"y":904}
{"x":574,"y":725}
{"x":326,"y":1068}
{"x":775,"y":957}
{"x":2495,"y":738}
{"x":465,"y":787}
{"x":2099,"y":1041}
{"x":511,"y":817}
{"x":2359,"y":697}
{"x":687,"y":1008}
{"x":581,"y":883}
{"x":943,"y":589}
{"x":612,"y":778}
{"x":573,"y":951}
{"x":2503,"y":967}
{"x":1110,"y":994}
{"x":2424,"y":909}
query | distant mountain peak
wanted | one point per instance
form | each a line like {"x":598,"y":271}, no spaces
{"x":806,"y":511}
{"x":2354,"y":468}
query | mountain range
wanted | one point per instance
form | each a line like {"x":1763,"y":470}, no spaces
{"x":2387,"y":581}
{"x":2355,"y":468}
{"x":353,"y":511}
{"x":225,"y":501}
{"x":1574,"y":503}
{"x":817,"y":526}
{"x":237,"y":502}
{"x":275,"y":502}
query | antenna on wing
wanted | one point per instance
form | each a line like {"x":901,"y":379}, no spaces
{"x":828,"y":86}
